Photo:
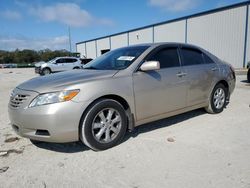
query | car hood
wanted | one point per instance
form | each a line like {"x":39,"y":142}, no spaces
{"x":60,"y":81}
{"x":38,"y":64}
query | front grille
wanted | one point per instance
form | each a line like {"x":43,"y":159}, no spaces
{"x":17,"y":100}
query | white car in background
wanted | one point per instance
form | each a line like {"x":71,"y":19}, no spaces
{"x":58,"y":64}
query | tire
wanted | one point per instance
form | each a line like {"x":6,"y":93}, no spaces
{"x":76,"y":68}
{"x":46,"y":71}
{"x":217,"y":106}
{"x":248,"y":75}
{"x":103,"y":125}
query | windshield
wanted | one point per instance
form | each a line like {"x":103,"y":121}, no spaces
{"x":116,"y":59}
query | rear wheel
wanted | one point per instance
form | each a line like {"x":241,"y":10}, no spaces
{"x":217,"y":99}
{"x":104,"y":125}
{"x":76,"y":68}
{"x":248,"y":75}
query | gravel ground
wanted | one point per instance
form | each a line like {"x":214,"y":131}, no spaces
{"x":194,"y":149}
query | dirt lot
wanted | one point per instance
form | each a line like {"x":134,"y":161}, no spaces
{"x":194,"y":149}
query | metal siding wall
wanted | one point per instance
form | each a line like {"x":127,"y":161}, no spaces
{"x":248,"y":38}
{"x":172,"y":32}
{"x":80,"y":48}
{"x":91,"y":49}
{"x":141,"y":36}
{"x":119,"y":41}
{"x":102,"y":44}
{"x":221,"y":33}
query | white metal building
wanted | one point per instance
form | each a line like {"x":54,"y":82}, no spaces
{"x":225,"y":32}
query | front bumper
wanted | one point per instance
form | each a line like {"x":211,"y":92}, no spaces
{"x":57,"y":122}
{"x":38,"y":70}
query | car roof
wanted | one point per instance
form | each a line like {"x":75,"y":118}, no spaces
{"x":167,"y":43}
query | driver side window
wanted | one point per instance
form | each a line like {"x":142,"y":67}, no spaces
{"x":167,"y":57}
{"x":59,"y":61}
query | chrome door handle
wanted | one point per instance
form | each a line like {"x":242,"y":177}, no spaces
{"x":180,"y":74}
{"x":214,"y":69}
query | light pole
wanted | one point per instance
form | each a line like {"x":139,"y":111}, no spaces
{"x":70,"y":41}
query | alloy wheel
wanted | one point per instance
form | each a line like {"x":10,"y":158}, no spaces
{"x":106,"y":125}
{"x":219,"y":98}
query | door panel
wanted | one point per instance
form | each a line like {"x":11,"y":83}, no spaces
{"x":200,"y":80}
{"x":59,"y":65}
{"x":68,"y":65}
{"x":200,"y":75}
{"x":158,"y":92}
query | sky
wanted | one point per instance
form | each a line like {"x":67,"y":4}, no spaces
{"x":44,"y":24}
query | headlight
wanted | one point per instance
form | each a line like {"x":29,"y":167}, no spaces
{"x":55,"y":97}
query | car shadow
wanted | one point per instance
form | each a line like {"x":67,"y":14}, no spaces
{"x":246,"y":82}
{"x":163,"y":123}
{"x":74,"y":147}
{"x":71,"y":147}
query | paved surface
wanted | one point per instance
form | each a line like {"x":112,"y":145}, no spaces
{"x":194,"y":149}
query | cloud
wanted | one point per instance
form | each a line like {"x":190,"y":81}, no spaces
{"x":12,"y":43}
{"x":174,"y":5}
{"x":11,"y":15}
{"x":67,"y":13}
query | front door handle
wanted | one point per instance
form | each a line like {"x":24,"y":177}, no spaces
{"x":181,"y":74}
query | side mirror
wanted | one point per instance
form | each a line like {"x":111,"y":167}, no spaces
{"x":150,"y":65}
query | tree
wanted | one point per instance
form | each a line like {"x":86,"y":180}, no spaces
{"x":27,"y":56}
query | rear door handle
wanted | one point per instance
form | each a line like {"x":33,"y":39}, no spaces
{"x":181,"y":74}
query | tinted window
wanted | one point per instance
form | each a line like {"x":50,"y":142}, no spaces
{"x":71,"y":60}
{"x":207,"y":59}
{"x":168,"y":57}
{"x":191,"y":56}
{"x":60,"y":60}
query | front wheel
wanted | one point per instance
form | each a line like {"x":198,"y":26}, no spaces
{"x":217,"y":99}
{"x":46,"y":71}
{"x":104,"y":125}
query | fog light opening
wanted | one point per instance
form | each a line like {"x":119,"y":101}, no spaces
{"x":42,"y":132}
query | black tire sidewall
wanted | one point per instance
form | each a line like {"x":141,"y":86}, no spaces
{"x":215,"y":110}
{"x":86,"y":124}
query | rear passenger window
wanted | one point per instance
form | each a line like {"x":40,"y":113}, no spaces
{"x":207,"y":59}
{"x":69,"y":60}
{"x":191,"y":57}
{"x":73,"y":60}
{"x":168,"y":57}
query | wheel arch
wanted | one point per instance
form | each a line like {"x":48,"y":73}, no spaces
{"x":224,"y":82}
{"x":119,"y":99}
{"x":47,"y":68}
